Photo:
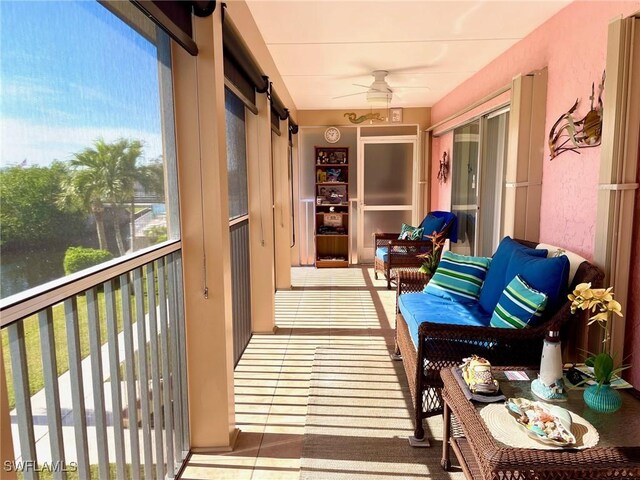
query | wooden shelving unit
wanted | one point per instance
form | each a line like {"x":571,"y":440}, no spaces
{"x":332,"y":207}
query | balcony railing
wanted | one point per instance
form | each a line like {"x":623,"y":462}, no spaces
{"x":241,"y":286}
{"x":121,"y":407}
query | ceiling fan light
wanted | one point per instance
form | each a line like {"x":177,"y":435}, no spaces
{"x":379,"y":99}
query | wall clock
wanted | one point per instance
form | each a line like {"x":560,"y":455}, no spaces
{"x":332,"y":135}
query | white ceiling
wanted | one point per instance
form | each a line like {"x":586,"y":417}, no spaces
{"x":321,"y":48}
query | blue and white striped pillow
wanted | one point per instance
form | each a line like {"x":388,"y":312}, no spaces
{"x":458,"y":277}
{"x":519,"y":305}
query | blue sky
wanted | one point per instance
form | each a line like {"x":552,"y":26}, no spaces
{"x":71,"y":72}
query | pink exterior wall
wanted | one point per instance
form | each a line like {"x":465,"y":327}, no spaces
{"x":572,"y":44}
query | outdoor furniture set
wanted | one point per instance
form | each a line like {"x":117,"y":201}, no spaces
{"x":393,"y":253}
{"x":437,"y":328}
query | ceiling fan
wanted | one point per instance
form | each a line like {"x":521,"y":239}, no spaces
{"x":379,"y":92}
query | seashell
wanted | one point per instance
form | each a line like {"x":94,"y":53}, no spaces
{"x":546,"y":423}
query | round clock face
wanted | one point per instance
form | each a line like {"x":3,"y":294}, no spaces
{"x":332,"y":135}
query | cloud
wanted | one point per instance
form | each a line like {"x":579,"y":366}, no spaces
{"x":41,"y":144}
{"x":25,"y":88}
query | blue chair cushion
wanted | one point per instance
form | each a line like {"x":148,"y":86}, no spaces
{"x":431,"y":224}
{"x":458,"y":277}
{"x":496,"y":279}
{"x":383,"y":253}
{"x":417,"y":308}
{"x":519,"y":306}
{"x":546,"y":275}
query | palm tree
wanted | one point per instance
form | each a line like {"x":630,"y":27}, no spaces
{"x":105,"y":174}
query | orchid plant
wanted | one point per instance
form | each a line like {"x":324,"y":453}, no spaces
{"x":600,"y":304}
{"x":432,"y":258}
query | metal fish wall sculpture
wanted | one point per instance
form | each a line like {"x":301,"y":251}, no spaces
{"x":569,"y":134}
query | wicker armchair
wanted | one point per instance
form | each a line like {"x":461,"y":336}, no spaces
{"x":442,"y":345}
{"x":403,"y":254}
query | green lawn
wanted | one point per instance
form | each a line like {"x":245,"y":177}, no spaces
{"x":32,"y":341}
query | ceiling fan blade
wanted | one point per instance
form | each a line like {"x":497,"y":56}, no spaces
{"x":411,"y":86}
{"x":360,"y":85}
{"x":348,"y":95}
{"x":412,"y":68}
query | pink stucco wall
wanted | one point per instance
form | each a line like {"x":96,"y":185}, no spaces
{"x":441,"y":193}
{"x":572,"y":44}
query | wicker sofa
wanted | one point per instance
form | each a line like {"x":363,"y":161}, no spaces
{"x":443,"y":345}
{"x":392,"y":253}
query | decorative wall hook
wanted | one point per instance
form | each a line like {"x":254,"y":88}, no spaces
{"x":443,"y":173}
{"x":353,"y":118}
{"x":569,"y":134}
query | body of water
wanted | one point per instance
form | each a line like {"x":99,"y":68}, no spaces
{"x":21,"y":270}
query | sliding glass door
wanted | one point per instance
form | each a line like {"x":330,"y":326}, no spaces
{"x":464,"y":192}
{"x":492,"y":159}
{"x":479,"y":151}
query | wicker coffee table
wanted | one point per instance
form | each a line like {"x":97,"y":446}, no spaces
{"x":617,"y":454}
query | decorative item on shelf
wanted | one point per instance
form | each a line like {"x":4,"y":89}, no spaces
{"x":353,"y":118}
{"x":333,"y":194}
{"x":570,"y":134}
{"x":443,"y":173}
{"x":599,"y":301}
{"x":432,"y":258}
{"x":333,"y":219}
{"x":550,"y":384}
{"x":341,"y":157}
{"x":332,"y":175}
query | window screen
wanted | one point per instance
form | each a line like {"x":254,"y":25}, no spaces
{"x":236,"y":156}
{"x":84,"y":145}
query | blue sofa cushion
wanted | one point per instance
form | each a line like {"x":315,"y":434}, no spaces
{"x":547,"y":275}
{"x":458,"y":277}
{"x":383,"y":253}
{"x":519,"y":305}
{"x":496,"y":280}
{"x":431,"y":224}
{"x":423,"y":307}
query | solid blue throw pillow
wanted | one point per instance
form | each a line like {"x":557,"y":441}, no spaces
{"x":497,"y":279}
{"x":547,"y":275}
{"x":431,"y":224}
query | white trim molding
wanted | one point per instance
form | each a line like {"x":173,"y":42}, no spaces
{"x":618,"y":186}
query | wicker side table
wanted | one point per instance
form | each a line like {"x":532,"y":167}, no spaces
{"x":481,"y":456}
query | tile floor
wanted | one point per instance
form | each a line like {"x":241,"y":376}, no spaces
{"x":325,"y":307}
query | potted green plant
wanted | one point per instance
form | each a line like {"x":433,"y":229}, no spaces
{"x":600,"y":304}
{"x":432,"y":258}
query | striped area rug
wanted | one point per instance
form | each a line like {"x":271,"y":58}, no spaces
{"x":359,"y":418}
